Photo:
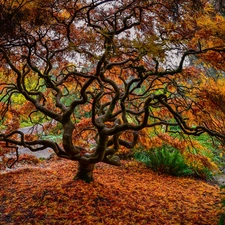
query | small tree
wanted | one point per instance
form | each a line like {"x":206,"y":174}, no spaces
{"x":111,"y":68}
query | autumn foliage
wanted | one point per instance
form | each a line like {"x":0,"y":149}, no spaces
{"x":106,"y":72}
{"x":130,"y":194}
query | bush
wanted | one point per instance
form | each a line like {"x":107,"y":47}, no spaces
{"x":222,"y":216}
{"x":165,"y":160}
{"x":203,"y":173}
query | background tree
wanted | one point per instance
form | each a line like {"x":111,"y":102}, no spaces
{"x":112,"y":68}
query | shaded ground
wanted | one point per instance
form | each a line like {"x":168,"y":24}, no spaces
{"x":127,"y":195}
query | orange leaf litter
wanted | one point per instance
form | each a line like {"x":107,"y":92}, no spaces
{"x":119,"y":195}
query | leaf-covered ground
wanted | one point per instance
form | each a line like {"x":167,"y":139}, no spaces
{"x":127,"y":195}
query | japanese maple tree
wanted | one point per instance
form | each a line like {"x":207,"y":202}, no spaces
{"x":104,"y":70}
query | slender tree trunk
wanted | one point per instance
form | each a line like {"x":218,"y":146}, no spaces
{"x":85,"y":172}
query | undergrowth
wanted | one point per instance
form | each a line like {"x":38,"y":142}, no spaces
{"x":168,"y":160}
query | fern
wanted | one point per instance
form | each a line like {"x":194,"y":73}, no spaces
{"x":165,"y":160}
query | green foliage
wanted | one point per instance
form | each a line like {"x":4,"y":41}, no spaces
{"x":168,"y":160}
{"x":54,"y":138}
{"x":25,"y":123}
{"x":212,"y":145}
{"x":203,"y":173}
{"x":165,"y":160}
{"x":53,"y":134}
{"x":222,"y":216}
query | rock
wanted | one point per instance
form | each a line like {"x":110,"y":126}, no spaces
{"x":219,"y":179}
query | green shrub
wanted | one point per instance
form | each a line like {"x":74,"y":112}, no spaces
{"x":222,"y":216}
{"x":165,"y":160}
{"x":202,"y":173}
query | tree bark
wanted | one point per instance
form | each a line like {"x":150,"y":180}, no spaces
{"x":85,"y":172}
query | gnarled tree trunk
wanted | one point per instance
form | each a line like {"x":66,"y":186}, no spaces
{"x":85,"y":172}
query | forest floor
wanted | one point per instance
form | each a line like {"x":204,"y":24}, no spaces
{"x":131,"y":194}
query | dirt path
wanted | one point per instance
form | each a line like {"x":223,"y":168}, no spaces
{"x":39,"y":154}
{"x":44,"y":154}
